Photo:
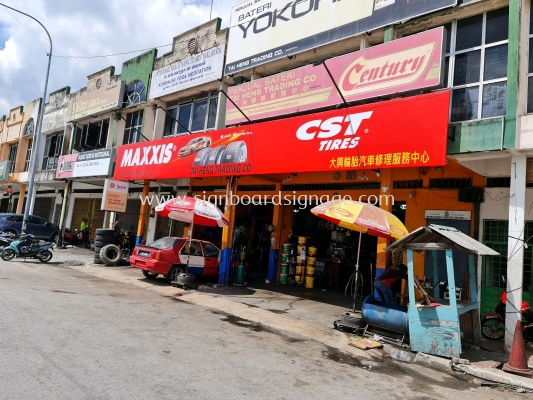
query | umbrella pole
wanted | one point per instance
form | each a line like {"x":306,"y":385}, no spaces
{"x":189,"y":252}
{"x":357,"y":271}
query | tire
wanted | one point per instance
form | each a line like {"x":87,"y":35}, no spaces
{"x":97,"y":250}
{"x":9,"y":232}
{"x":106,"y":239}
{"x":150,"y":275}
{"x":102,"y":243}
{"x":110,"y":255}
{"x":87,"y":244}
{"x":54,"y":237}
{"x":492,"y":329}
{"x":8,"y":254}
{"x":97,"y":260}
{"x":215,"y":155}
{"x":45,"y":256}
{"x":202,"y":156}
{"x":173,"y":273}
{"x":105,"y":233}
{"x":236,"y":152}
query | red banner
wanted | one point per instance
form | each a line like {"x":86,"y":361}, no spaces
{"x":411,"y":63}
{"x":404,"y":133}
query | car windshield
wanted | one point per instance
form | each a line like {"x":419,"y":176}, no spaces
{"x":166,"y":243}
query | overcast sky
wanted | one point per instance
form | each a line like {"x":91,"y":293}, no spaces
{"x":87,"y":28}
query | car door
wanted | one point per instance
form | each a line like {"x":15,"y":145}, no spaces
{"x":192,"y":253}
{"x":36,"y":227}
{"x":212,"y":263}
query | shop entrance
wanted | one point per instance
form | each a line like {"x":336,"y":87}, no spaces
{"x":90,"y":209}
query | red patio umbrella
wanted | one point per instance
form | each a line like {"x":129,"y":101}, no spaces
{"x":193,"y":211}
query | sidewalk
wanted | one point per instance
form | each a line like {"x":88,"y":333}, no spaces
{"x":294,"y":315}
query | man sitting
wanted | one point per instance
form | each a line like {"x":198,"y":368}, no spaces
{"x":384,"y":282}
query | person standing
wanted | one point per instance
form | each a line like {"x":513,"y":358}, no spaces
{"x":83,"y":225}
{"x":383,"y":283}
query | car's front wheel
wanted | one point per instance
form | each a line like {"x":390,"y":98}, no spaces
{"x":54,"y":238}
{"x":173,"y":273}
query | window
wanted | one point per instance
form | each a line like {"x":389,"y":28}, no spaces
{"x":13,"y":156}
{"x":196,"y":249}
{"x":210,"y":250}
{"x":476,"y":65}
{"x":36,"y":220}
{"x":52,"y":151}
{"x":135,"y":94}
{"x":198,"y":114}
{"x":92,"y":136}
{"x":134,"y":124}
{"x":29,"y":150}
{"x":30,"y":128}
{"x":14,"y":218}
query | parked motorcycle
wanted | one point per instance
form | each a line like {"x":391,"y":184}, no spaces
{"x":493,"y":323}
{"x":5,"y":240}
{"x":76,"y":239}
{"x":25,"y":246}
{"x":125,"y":240}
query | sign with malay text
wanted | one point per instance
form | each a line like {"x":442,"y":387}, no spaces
{"x":115,"y":196}
{"x":97,"y":102}
{"x":265,"y":30}
{"x":403,"y":65}
{"x":88,"y":163}
{"x":388,"y":134}
{"x":192,"y":71}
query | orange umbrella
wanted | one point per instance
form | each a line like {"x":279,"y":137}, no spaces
{"x":363,"y":218}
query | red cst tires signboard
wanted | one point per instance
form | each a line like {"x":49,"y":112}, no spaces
{"x":403,"y":133}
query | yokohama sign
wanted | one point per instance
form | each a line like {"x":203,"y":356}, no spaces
{"x":405,"y":133}
{"x":403,"y":65}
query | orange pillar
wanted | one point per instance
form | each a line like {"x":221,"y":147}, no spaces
{"x":21,"y":198}
{"x":142,"y":217}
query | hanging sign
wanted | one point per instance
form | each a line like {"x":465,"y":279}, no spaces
{"x":115,"y":196}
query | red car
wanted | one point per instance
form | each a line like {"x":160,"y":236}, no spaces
{"x":168,"y":256}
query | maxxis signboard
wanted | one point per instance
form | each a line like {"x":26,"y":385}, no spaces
{"x":266,"y":30}
{"x":410,"y":64}
{"x":405,"y":133}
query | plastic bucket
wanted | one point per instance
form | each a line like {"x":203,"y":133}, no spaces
{"x":299,"y":280}
{"x":302,"y":240}
{"x":299,"y":270}
{"x":286,"y":248}
{"x":283,"y":279}
{"x":312,"y":251}
{"x":310,"y":271}
{"x":301,"y":248}
{"x":309,"y":282}
{"x":284,"y":268}
{"x":285,"y":258}
{"x":311,"y":261}
{"x":299,"y":260}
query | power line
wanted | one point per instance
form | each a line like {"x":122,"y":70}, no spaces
{"x":16,"y":19}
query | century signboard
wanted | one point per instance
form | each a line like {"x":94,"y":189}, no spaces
{"x":189,"y":72}
{"x":266,"y":30}
{"x":86,"y":164}
{"x":389,"y":134}
{"x":408,"y":64}
{"x":99,"y":101}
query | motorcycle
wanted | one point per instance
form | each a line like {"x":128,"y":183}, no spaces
{"x":493,"y":323}
{"x":76,"y":239}
{"x":5,"y":240}
{"x":25,"y":246}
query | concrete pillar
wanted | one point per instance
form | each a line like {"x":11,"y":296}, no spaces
{"x":142,"y":216}
{"x":273,"y":259}
{"x":382,"y":258}
{"x":20,"y":202}
{"x":227,"y":233}
{"x":515,"y":248}
{"x":62,"y":217}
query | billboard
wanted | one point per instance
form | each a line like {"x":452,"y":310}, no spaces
{"x":87,"y":164}
{"x":192,"y":71}
{"x":115,"y":196}
{"x":403,"y":65}
{"x":99,"y":101}
{"x":389,"y":134}
{"x":266,"y":30}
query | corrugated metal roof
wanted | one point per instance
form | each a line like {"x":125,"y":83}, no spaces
{"x":445,"y":235}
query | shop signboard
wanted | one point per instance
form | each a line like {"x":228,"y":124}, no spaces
{"x":389,"y":134}
{"x":115,"y":196}
{"x":443,"y":214}
{"x":192,"y":71}
{"x":99,"y":101}
{"x":403,"y":65}
{"x":5,"y":167}
{"x":265,"y":30}
{"x":87,"y":164}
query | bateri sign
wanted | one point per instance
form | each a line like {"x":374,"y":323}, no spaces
{"x":411,"y":63}
{"x":266,"y":30}
{"x":391,"y":134}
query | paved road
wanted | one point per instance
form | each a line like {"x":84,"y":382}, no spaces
{"x":66,"y":334}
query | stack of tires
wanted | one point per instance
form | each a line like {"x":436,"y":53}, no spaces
{"x":105,"y":238}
